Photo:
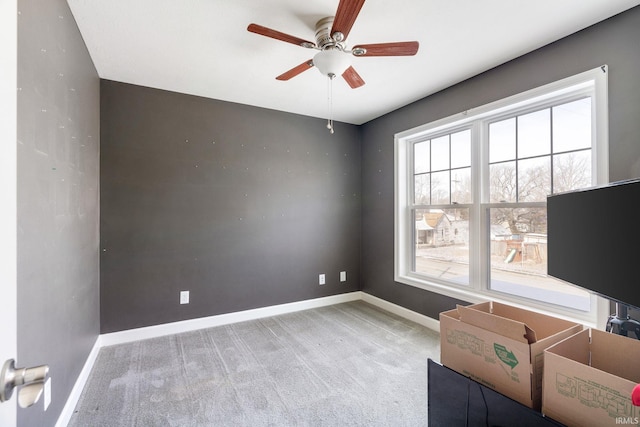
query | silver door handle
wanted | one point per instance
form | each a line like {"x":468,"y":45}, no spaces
{"x":32,"y":380}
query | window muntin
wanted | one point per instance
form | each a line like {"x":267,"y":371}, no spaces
{"x":552,"y":139}
{"x":442,"y":169}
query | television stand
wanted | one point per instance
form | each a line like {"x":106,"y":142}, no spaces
{"x":620,"y":323}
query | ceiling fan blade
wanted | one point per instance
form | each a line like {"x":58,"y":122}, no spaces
{"x":387,"y":49}
{"x":268,"y":32}
{"x":353,"y":78}
{"x":346,"y":15}
{"x":296,"y":70}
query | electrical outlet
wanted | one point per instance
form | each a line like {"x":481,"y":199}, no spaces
{"x":184,"y":297}
{"x":321,"y":279}
{"x":343,"y":276}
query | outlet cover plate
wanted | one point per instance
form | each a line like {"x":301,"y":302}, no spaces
{"x":321,"y":279}
{"x":184,"y":297}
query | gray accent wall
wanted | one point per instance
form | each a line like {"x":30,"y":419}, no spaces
{"x":613,"y":42}
{"x":58,"y":200}
{"x":243,"y":207}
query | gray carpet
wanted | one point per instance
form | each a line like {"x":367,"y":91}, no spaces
{"x":350,"y":364}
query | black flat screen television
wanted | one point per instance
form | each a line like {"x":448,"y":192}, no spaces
{"x":594,"y":240}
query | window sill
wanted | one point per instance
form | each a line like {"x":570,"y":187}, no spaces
{"x":600,"y":306}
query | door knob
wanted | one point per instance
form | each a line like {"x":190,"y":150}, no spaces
{"x":32,"y":380}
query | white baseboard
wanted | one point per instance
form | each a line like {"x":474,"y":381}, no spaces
{"x":398,"y":310}
{"x":72,"y":401}
{"x":222,"y":319}
{"x":226,"y":319}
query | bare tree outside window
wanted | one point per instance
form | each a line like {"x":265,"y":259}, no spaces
{"x":572,"y":171}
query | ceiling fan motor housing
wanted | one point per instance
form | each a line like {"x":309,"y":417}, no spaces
{"x":324,"y":38}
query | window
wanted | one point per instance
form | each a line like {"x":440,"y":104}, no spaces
{"x":471,"y":194}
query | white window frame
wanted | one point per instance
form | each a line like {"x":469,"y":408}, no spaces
{"x":592,"y":82}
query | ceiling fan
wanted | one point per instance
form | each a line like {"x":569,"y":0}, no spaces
{"x":334,"y":56}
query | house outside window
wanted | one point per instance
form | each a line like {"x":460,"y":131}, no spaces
{"x":471,"y":195}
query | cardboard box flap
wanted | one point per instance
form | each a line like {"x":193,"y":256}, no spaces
{"x":542,"y":324}
{"x":575,"y":347}
{"x":615,"y":354}
{"x":482,"y":317}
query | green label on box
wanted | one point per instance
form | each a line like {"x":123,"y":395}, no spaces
{"x":505,"y":355}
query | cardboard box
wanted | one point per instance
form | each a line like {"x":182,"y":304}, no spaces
{"x":588,"y":379}
{"x":501,"y":347}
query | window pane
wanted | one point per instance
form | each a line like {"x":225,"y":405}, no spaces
{"x":440,"y":153}
{"x":502,"y":182}
{"x":571,"y":171}
{"x":572,"y":126}
{"x":442,"y":244}
{"x":461,"y":186}
{"x":534,"y":179}
{"x":518,"y":247}
{"x":461,"y":149}
{"x":421,"y":157}
{"x":440,"y":182}
{"x":421,"y":189}
{"x":534,"y":134}
{"x":502,"y":140}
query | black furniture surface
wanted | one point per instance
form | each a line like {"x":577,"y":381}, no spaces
{"x":455,"y":400}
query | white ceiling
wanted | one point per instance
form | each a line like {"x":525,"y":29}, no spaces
{"x":202,"y":47}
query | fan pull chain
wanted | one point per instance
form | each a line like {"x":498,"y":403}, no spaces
{"x":330,"y":99}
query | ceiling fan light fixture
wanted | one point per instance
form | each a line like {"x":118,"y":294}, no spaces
{"x":334,"y":58}
{"x":331,"y":62}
